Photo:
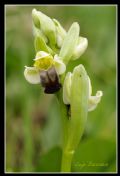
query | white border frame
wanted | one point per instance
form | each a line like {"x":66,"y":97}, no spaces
{"x":5,"y":86}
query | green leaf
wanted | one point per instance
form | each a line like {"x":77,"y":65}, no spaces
{"x":69,"y":43}
{"x":51,"y":161}
{"x":94,"y":155}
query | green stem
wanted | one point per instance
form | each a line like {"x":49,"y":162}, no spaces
{"x":73,"y":126}
{"x":66,"y":155}
{"x":64,"y":116}
{"x":66,"y":161}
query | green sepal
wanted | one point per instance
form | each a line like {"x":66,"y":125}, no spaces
{"x":40,"y":45}
{"x":79,"y":107}
{"x":69,"y":43}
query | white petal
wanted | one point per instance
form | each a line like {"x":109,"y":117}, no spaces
{"x":67,"y":88}
{"x":90,"y":87}
{"x":32,"y":75}
{"x":59,"y":65}
{"x":94,"y":100}
{"x":41,"y":54}
{"x":61,"y":33}
{"x":59,"y":41}
{"x":80,"y":48}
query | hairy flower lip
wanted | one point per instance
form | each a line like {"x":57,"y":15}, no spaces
{"x":50,"y":81}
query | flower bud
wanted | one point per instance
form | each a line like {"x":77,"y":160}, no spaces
{"x":80,"y":48}
{"x":68,"y":84}
{"x":46,"y":25}
{"x":35,"y":18}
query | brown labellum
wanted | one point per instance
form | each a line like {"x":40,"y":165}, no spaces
{"x":50,"y":80}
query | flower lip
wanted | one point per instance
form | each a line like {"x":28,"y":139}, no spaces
{"x":50,"y":80}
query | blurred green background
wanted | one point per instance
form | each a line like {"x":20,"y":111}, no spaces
{"x":33,"y":124}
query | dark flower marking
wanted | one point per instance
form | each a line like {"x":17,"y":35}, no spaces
{"x":50,"y":80}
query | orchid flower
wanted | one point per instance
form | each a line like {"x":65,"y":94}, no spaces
{"x":55,"y":48}
{"x":92,"y":101}
{"x":45,"y":70}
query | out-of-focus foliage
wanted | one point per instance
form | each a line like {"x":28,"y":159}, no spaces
{"x":33,"y":124}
